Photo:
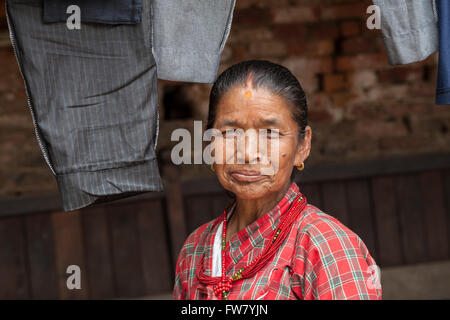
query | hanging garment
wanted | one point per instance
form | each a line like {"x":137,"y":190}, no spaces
{"x":99,"y":11}
{"x":443,"y":81}
{"x":413,"y":30}
{"x":93,"y":91}
{"x":409,"y":29}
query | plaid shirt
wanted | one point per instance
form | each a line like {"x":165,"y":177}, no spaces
{"x":320,"y":259}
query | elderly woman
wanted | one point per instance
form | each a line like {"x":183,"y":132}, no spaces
{"x":270,"y":243}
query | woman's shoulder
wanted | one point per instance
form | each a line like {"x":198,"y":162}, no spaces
{"x":313,"y":216}
{"x":321,"y":228}
{"x":334,"y":259}
{"x":199,"y":236}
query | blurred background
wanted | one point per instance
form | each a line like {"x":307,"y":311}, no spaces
{"x":380,"y":163}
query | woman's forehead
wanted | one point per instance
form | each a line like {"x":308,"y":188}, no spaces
{"x":257,"y":121}
{"x":260,"y":104}
{"x":259,"y":117}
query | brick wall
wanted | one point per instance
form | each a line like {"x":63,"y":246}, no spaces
{"x":360,"y":107}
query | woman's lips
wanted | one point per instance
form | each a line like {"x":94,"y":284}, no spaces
{"x":247,"y":176}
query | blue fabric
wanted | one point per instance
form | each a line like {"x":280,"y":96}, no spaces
{"x":443,"y":82}
{"x":97,"y":11}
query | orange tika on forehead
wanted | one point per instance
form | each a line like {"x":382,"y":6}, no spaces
{"x":248,"y":87}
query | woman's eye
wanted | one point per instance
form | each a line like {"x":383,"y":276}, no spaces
{"x":229,"y":134}
{"x":272,"y":133}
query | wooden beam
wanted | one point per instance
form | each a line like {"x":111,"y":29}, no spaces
{"x":41,"y":256}
{"x":174,"y":205}
{"x":98,"y":252}
{"x":68,"y":242}
{"x":11,"y":206}
{"x":386,"y":222}
{"x":14,"y":279}
{"x":317,"y":173}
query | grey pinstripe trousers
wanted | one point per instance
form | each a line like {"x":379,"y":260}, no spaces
{"x":93,"y":93}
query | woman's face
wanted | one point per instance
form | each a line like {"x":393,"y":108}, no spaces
{"x":240,"y":167}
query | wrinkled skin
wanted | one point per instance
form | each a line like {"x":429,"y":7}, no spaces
{"x":256,"y":193}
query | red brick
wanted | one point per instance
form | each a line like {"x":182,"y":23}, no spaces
{"x":400,"y":74}
{"x":24,"y":181}
{"x":362,"y":79}
{"x":311,"y":48}
{"x":425,"y":90}
{"x":240,"y":52}
{"x":343,"y":99}
{"x":344,"y":11}
{"x":252,"y":16}
{"x":317,"y":115}
{"x":350,"y":28}
{"x":290,"y":31}
{"x":380,"y":129}
{"x":10,"y":81}
{"x":309,"y":65}
{"x":265,"y":49}
{"x":364,"y":111}
{"x":403,"y":144}
{"x":243,"y":4}
{"x":360,"y":44}
{"x":322,"y":30}
{"x":362,"y":61}
{"x":405,"y":109}
{"x":308,"y":81}
{"x":322,"y":108}
{"x":321,"y":101}
{"x":2,"y":14}
{"x":334,"y":82}
{"x":393,"y":92}
{"x":346,"y":1}
{"x":245,"y":35}
{"x":296,"y":14}
{"x":227,"y":54}
{"x":5,"y":41}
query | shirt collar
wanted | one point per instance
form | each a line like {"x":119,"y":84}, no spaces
{"x":255,"y":234}
{"x":253,"y":237}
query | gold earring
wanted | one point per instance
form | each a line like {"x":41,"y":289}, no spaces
{"x":212,"y":167}
{"x":301,"y":167}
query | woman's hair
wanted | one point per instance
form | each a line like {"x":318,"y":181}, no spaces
{"x":264,"y":74}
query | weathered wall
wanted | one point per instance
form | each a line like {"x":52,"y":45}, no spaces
{"x":360,"y":107}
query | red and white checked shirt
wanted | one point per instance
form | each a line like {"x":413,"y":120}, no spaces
{"x":320,"y":259}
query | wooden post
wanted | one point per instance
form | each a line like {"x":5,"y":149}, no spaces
{"x":174,"y":204}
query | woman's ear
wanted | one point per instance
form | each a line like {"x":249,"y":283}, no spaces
{"x":303,"y":147}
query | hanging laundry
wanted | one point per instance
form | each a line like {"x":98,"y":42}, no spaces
{"x":93,"y":91}
{"x":99,"y":11}
{"x":409,"y":29}
{"x":443,"y":81}
{"x":413,"y":30}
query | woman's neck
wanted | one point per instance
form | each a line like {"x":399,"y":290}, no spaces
{"x":247,"y":211}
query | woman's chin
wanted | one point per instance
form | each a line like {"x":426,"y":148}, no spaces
{"x":251,"y":191}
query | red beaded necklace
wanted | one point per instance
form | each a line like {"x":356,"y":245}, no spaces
{"x":222,"y":285}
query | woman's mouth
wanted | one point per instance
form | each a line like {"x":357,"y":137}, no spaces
{"x":247,"y":175}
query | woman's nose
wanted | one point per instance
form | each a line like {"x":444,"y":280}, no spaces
{"x":247,"y":147}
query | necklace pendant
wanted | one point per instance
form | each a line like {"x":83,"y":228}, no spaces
{"x":222,"y":289}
